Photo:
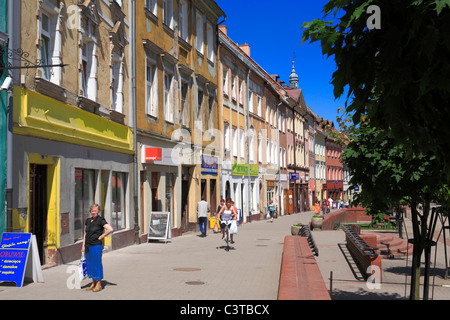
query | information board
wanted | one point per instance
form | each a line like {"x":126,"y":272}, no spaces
{"x":159,"y":226}
{"x":14,"y":252}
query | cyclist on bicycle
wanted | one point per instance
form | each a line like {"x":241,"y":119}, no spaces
{"x":227,"y":213}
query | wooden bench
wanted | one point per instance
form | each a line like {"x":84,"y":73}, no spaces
{"x":300,"y":277}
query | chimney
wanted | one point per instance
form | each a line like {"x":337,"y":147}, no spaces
{"x":245,"y":48}
{"x":223,"y":29}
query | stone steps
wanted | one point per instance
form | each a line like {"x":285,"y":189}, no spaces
{"x":391,"y":247}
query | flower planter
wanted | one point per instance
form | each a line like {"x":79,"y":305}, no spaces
{"x":295,"y":230}
{"x":317,"y":222}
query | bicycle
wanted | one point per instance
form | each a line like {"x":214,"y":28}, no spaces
{"x":227,"y":234}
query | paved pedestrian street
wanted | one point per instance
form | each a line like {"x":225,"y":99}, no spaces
{"x":193,"y":268}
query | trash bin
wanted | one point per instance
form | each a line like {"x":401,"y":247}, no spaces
{"x":212,"y":222}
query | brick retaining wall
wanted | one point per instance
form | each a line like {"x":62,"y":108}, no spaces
{"x":300,"y":277}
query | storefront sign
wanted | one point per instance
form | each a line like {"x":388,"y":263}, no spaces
{"x":153,"y":154}
{"x":241,"y":169}
{"x":14,"y":251}
{"x":294,"y":176}
{"x":210,"y":165}
{"x":159,"y":156}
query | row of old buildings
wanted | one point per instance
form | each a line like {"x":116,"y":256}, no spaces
{"x":146,"y":106}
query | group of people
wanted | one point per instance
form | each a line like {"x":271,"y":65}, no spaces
{"x":327,"y":205}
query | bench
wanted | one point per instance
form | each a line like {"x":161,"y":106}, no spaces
{"x":300,"y":277}
{"x":364,"y":254}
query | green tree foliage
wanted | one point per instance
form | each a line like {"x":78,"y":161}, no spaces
{"x":398,"y":75}
{"x":397,"y":111}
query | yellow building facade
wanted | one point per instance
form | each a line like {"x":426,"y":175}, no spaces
{"x":176,"y":108}
{"x":72,"y":140}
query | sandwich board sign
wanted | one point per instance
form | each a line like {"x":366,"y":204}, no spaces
{"x":159,"y":226}
{"x":19,"y":258}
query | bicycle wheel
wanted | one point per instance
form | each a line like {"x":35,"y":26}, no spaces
{"x":227,"y":236}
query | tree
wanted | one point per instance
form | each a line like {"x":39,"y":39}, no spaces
{"x":387,"y":177}
{"x":398,"y":75}
{"x":398,"y":83}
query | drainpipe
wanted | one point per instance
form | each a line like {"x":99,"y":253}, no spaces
{"x":9,"y":133}
{"x":133,"y":106}
{"x":248,"y":155}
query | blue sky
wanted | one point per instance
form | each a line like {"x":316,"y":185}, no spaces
{"x":273,"y":31}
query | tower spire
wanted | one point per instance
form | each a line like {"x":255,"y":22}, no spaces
{"x":293,"y":78}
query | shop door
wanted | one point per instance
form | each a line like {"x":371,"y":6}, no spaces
{"x":184,"y":206}
{"x":290,"y":201}
{"x":39,"y":207}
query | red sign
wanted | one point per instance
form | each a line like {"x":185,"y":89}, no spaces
{"x":153,"y":154}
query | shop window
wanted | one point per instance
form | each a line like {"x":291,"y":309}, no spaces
{"x":84,"y":198}
{"x":118,"y":209}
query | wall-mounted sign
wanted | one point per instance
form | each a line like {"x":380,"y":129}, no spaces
{"x":241,"y":169}
{"x":294,"y":176}
{"x":210,"y":165}
{"x":160,"y":156}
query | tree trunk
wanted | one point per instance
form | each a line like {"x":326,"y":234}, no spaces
{"x":420,"y":231}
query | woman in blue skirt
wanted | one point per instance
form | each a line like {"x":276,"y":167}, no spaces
{"x":93,"y":247}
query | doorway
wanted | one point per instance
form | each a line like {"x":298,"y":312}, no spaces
{"x":39,"y":207}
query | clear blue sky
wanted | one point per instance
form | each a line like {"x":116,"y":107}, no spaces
{"x":273,"y":31}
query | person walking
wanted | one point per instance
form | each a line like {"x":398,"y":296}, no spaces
{"x":202,"y":214}
{"x":226,"y":214}
{"x":96,"y":228}
{"x":271,"y":210}
{"x":317,"y":208}
{"x":324,"y":207}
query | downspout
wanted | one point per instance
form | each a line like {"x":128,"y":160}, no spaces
{"x":248,"y":143}
{"x":133,"y":106}
{"x":9,"y":133}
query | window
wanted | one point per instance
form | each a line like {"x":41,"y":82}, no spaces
{"x":252,"y":149}
{"x":116,"y":84}
{"x":118,"y":209}
{"x":168,"y":98}
{"x":84,"y":198}
{"x":151,"y":6}
{"x":241,"y":92}
{"x":259,"y":106}
{"x":152,"y":89}
{"x":185,"y":114}
{"x":46,"y":44}
{"x":235,"y":143}
{"x":250,"y":101}
{"x":210,"y":38}
{"x":233,"y":87}
{"x":242,"y":143}
{"x":260,"y":151}
{"x":168,"y":13}
{"x":225,"y":81}
{"x":88,"y":60}
{"x":184,"y":19}
{"x":200,"y":40}
{"x":227,"y":136}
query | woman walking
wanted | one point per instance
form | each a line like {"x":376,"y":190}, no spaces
{"x":92,"y":246}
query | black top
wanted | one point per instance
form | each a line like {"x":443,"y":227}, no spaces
{"x":94,"y":229}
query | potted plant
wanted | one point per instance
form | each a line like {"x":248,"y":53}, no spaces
{"x":295,"y":229}
{"x":316,"y":222}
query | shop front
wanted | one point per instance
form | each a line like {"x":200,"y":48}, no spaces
{"x":65,"y":160}
{"x":160,"y":184}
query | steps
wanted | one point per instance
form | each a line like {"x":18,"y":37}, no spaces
{"x":391,"y":247}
